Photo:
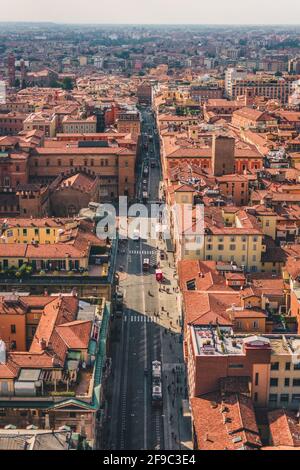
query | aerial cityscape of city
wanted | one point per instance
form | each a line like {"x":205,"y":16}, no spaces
{"x":149,"y":237}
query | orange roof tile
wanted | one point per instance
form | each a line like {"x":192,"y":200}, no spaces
{"x":238,"y":432}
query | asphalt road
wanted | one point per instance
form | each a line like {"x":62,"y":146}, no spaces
{"x":133,"y":423}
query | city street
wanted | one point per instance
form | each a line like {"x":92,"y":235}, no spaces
{"x":150,"y":329}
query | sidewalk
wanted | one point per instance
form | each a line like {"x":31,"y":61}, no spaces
{"x":177,"y":428}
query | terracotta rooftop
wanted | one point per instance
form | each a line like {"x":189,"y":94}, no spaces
{"x":225,"y":423}
{"x":284,"y":428}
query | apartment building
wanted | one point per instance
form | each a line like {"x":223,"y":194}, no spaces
{"x":73,"y":125}
{"x":11,"y":123}
{"x":239,"y":83}
{"x":246,"y":156}
{"x":223,"y":294}
{"x":206,"y":91}
{"x":129,"y":122}
{"x":252,"y":118}
{"x":50,"y":356}
{"x":113,"y":165}
{"x":67,"y":251}
{"x":46,"y":122}
{"x":230,"y":235}
{"x":145,"y":94}
{"x":270,"y":362}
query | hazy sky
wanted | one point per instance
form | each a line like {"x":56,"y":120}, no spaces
{"x":153,"y":11}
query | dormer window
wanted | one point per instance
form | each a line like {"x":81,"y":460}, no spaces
{"x":191,"y":285}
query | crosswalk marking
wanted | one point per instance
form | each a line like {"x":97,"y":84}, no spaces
{"x":139,"y":318}
{"x":143,"y":252}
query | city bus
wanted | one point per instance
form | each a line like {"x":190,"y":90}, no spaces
{"x":156,"y":384}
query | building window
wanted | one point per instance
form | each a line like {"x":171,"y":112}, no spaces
{"x":273,"y":398}
{"x":273,"y":382}
{"x":296,"y":382}
{"x":284,"y":398}
{"x":275,"y":366}
{"x":236,"y":366}
{"x":220,"y":247}
{"x":286,"y":382}
{"x":297,"y":366}
{"x":13,"y":329}
{"x":256,"y":378}
{"x":287,"y":366}
{"x":296,"y":398}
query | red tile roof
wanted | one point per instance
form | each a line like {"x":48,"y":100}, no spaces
{"x":76,"y":335}
{"x":284,"y":428}
{"x":225,"y":424}
{"x":61,"y":310}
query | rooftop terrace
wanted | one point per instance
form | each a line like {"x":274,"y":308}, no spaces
{"x":220,"y":341}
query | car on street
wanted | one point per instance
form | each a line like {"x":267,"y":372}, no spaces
{"x":146,"y":264}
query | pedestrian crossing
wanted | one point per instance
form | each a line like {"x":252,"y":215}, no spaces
{"x":139,"y":319}
{"x":143,"y":252}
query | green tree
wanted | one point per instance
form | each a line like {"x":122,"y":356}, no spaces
{"x":67,"y":83}
{"x":54,"y":84}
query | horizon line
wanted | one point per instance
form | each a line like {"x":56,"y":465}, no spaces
{"x":141,"y":24}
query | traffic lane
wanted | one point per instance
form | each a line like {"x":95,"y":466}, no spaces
{"x":138,"y":387}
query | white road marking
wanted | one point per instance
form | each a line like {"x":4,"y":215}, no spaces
{"x":139,"y":318}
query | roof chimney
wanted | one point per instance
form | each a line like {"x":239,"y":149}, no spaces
{"x":43,"y":344}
